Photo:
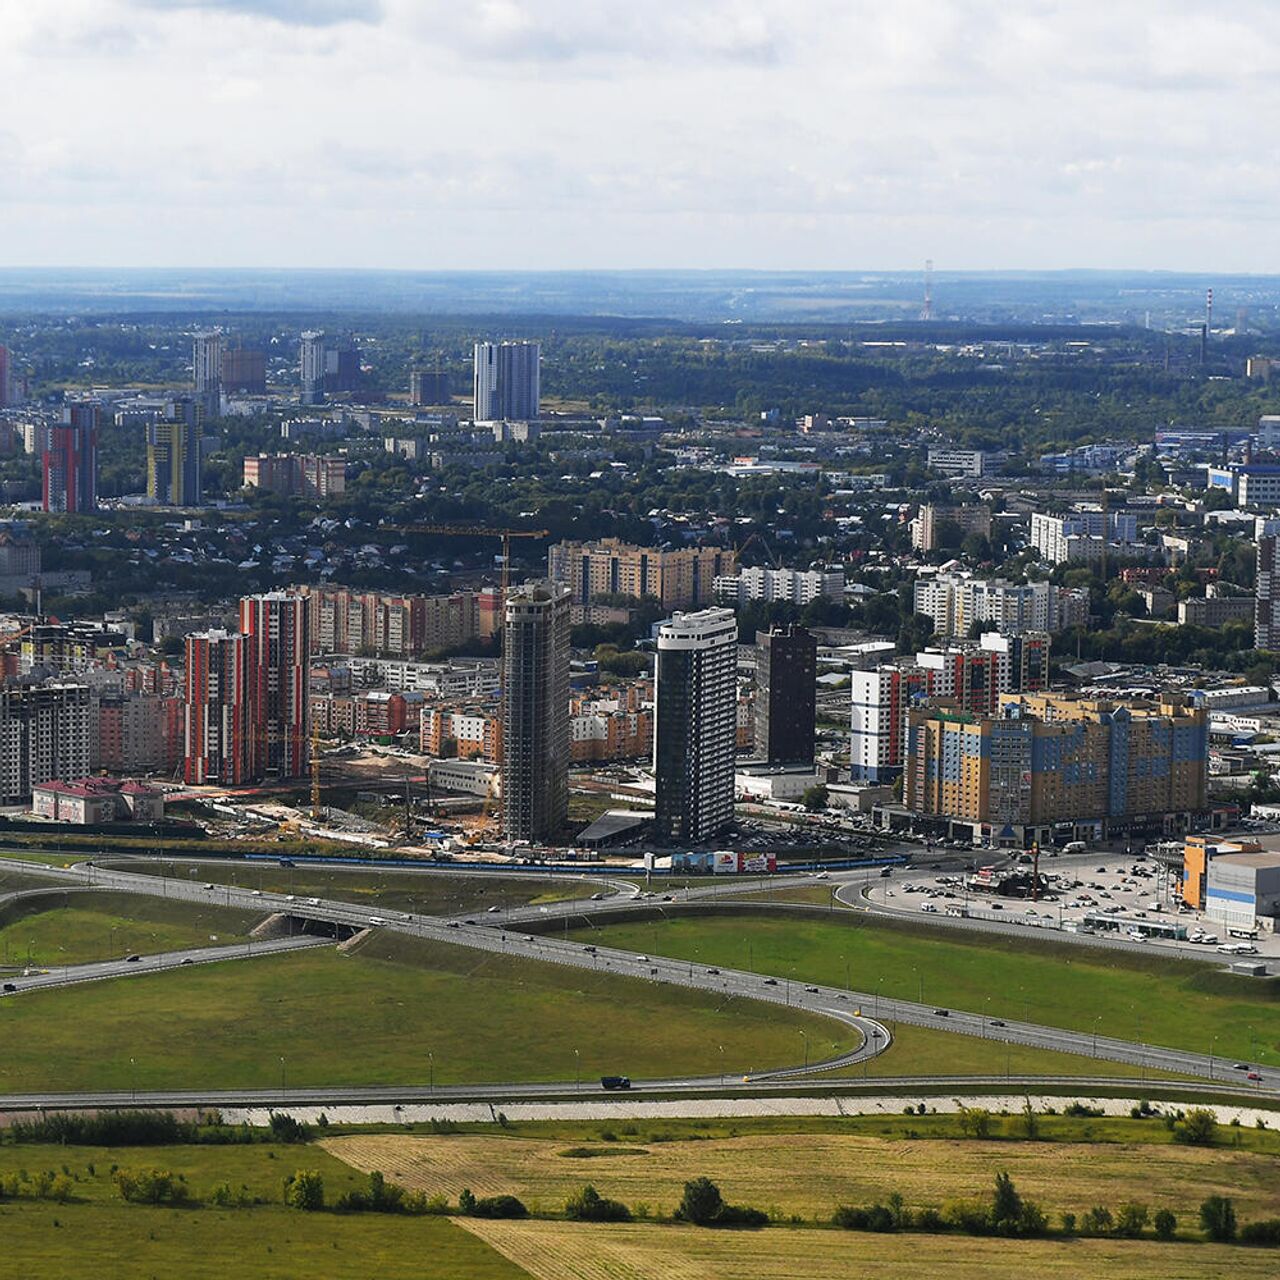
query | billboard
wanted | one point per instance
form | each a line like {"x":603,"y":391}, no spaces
{"x":757,"y":863}
{"x":724,"y":863}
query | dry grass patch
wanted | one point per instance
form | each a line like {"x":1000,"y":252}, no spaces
{"x":811,"y":1173}
{"x":638,"y":1251}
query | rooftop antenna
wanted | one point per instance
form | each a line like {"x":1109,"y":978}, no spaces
{"x":1208,"y":309}
{"x":926,"y":312}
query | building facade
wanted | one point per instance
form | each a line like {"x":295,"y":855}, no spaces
{"x":216,"y":709}
{"x":695,"y":728}
{"x":535,"y":712}
{"x":1084,"y":536}
{"x":45,"y":732}
{"x":173,"y":456}
{"x":786,"y":695}
{"x":795,"y":586}
{"x":206,"y":370}
{"x":305,"y":475}
{"x":680,"y":579}
{"x":931,"y":521}
{"x":69,"y":459}
{"x":396,"y":626}
{"x":508,"y":381}
{"x":278,"y":683}
{"x":311,"y":366}
{"x":1266,"y":625}
{"x":958,"y":601}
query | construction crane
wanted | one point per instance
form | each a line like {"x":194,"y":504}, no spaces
{"x":483,"y":531}
{"x":768,"y":550}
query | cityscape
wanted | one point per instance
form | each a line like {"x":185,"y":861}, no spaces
{"x":542,"y":740}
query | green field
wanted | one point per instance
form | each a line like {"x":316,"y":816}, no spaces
{"x":100,"y":925}
{"x":99,"y":1237}
{"x":375,"y":1016}
{"x":429,"y":893}
{"x":1150,"y":998}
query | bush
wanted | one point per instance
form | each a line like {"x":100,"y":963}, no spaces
{"x":1097,"y":1221}
{"x":975,"y":1122}
{"x":1218,"y":1218}
{"x":875,"y":1217}
{"x":701,"y":1203}
{"x":1068,"y":1224}
{"x":284,"y":1128}
{"x":1199,"y":1127}
{"x":499,"y":1207}
{"x":305,"y":1190}
{"x":150,"y":1186}
{"x":1265,"y":1232}
{"x":109,"y":1129}
{"x":1165,"y":1224}
{"x":1130,"y":1220}
{"x":970,"y":1216}
{"x":1081,"y":1109}
{"x":588,"y":1205}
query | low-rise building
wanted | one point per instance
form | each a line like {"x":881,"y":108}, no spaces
{"x":93,"y":801}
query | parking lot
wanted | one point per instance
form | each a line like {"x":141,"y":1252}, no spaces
{"x":1130,"y":899}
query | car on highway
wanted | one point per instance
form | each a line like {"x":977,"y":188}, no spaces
{"x":942,"y":1013}
{"x":1253,"y":1075}
{"x":314,"y":902}
{"x":997,"y":1022}
{"x":643,"y":959}
{"x":9,"y":988}
{"x":132,"y":959}
{"x":186,"y":960}
{"x":452,"y":924}
{"x":492,"y":910}
{"x":589,"y":949}
{"x":615,"y":1082}
{"x":771,"y":982}
{"x":713,"y":971}
{"x":1241,"y":1066}
{"x":257,"y":893}
{"x":209,"y":886}
{"x":812,"y":990}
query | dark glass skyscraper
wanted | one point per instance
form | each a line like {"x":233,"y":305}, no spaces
{"x":786,"y":692}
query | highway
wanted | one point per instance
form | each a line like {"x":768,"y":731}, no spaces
{"x":873,"y":1015}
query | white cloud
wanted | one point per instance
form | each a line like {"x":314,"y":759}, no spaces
{"x":545,"y":133}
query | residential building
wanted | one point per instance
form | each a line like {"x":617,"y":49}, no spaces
{"x":65,"y":647}
{"x":45,"y":732}
{"x":963,"y":462}
{"x":695,"y":725}
{"x":678,"y":579}
{"x":1253,"y":485}
{"x":206,"y":370}
{"x":1266,"y":626}
{"x":244,"y":371}
{"x":305,"y":475}
{"x":216,"y":733}
{"x":428,"y":387}
{"x":69,"y":459}
{"x":958,"y":601}
{"x":535,"y":711}
{"x":278,"y":682}
{"x":507,"y":381}
{"x":973,"y":675}
{"x":370,"y":623}
{"x":133,"y":733}
{"x":342,"y":367}
{"x":1079,"y":536}
{"x":94,"y":801}
{"x":173,"y":455}
{"x":1045,"y":762}
{"x":457,"y":678}
{"x":470,"y":731}
{"x":612,"y":725}
{"x":786,"y":695}
{"x":311,"y":364}
{"x":932,"y":520}
{"x":1216,"y":610}
{"x":796,"y":586}
{"x":6,"y":377}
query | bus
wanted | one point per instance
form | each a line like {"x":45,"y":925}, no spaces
{"x":1250,"y":935}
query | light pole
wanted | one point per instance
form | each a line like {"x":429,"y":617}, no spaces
{"x":1095,"y":1034}
{"x":722,"y":1066}
{"x":805,"y":1037}
{"x":1213,"y":1044}
{"x":133,"y":1079}
{"x":577,"y":1069}
{"x":282,"y":1077}
{"x":431,"y":1068}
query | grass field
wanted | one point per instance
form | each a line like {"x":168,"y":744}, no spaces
{"x":100,"y":925}
{"x":1155,"y":999}
{"x":99,"y":1237}
{"x":809,"y":1173}
{"x":637,"y":1251}
{"x":375,"y":1015}
{"x":435,"y":893}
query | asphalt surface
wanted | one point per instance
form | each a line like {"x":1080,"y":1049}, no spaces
{"x":870,"y":1013}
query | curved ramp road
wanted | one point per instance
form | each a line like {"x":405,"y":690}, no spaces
{"x":865,"y":1011}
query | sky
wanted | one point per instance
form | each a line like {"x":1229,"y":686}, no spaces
{"x":568,"y":134}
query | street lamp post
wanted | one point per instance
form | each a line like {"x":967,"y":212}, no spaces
{"x":133,"y":1079}
{"x":282,"y":1076}
{"x":805,"y":1036}
{"x":722,"y":1066}
{"x":577,"y":1069}
{"x":431,"y":1068}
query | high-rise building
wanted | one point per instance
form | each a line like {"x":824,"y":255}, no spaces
{"x":216,"y":729}
{"x":1043,"y":761}
{"x":958,"y":601}
{"x":244,"y":369}
{"x":1266,"y":619}
{"x":971,"y":675}
{"x":535,"y":711}
{"x":342,"y":366}
{"x":428,"y":386}
{"x":206,"y":370}
{"x":1084,"y":535}
{"x":786,"y":694}
{"x":507,"y":381}
{"x":278,"y":682}
{"x":795,"y":586}
{"x":6,"y":377}
{"x":306,"y":474}
{"x":70,"y":459}
{"x":696,"y":699}
{"x":45,"y":735}
{"x":681,"y":579}
{"x":173,"y":455}
{"x":312,"y":366}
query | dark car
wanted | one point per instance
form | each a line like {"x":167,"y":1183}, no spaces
{"x":771,"y":982}
{"x":9,"y":988}
{"x":186,"y":960}
{"x":615,"y":1082}
{"x":942,"y":1013}
{"x":132,"y":959}
{"x":996,"y":1022}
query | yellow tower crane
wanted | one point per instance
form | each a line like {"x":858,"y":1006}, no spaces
{"x":484,"y":531}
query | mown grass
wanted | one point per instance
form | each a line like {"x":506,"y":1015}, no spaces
{"x":1149,"y":998}
{"x":809,"y":1174}
{"x":394,"y":1012}
{"x":434,"y":893}
{"x":101,"y":925}
{"x":641,"y":1251}
{"x":99,"y":1237}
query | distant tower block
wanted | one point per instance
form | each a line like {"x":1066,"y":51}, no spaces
{"x":926,"y":312}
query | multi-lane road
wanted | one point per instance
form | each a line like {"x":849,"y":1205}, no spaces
{"x":503,"y":932}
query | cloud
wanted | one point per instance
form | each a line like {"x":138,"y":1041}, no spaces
{"x":297,"y":13}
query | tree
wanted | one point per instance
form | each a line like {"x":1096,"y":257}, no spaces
{"x":588,"y":1205}
{"x":1131,"y":1219}
{"x":1006,"y":1207}
{"x":701,"y":1204}
{"x":1198,"y":1128}
{"x":466,"y":1201}
{"x":815,"y":798}
{"x":1218,"y":1218}
{"x":975,"y":1122}
{"x":305,"y":1190}
{"x":1165,"y":1224}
